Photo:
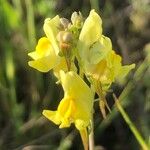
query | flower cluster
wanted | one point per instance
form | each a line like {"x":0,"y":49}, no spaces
{"x":75,"y":50}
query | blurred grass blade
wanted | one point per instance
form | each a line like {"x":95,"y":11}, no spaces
{"x":134,"y":130}
{"x":9,"y":17}
{"x":17,"y":4}
{"x":30,"y":23}
{"x":94,"y":5}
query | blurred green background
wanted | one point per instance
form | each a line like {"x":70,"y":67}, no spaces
{"x":25,"y":92}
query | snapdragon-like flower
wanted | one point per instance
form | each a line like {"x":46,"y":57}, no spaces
{"x":98,"y":59}
{"x":77,"y":104}
{"x":46,"y":56}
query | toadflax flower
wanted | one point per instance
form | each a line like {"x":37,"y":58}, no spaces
{"x":46,"y":56}
{"x":98,"y":59}
{"x":77,"y":104}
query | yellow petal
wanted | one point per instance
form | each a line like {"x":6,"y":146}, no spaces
{"x":51,"y":30}
{"x":118,"y":71}
{"x":52,"y":115}
{"x":43,"y":64}
{"x":43,"y":47}
{"x":124,"y":72}
{"x":97,"y":70}
{"x":73,"y":85}
{"x":34,"y":55}
{"x":66,"y":109}
{"x":114,"y":65}
{"x":44,"y":56}
{"x":90,"y":33}
{"x":92,"y":29}
{"x":63,"y":106}
{"x":99,"y":50}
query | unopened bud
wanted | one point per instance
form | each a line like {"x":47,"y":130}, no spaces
{"x":67,"y":37}
{"x":60,"y":36}
{"x":77,"y":19}
{"x":64,"y":36}
{"x":64,"y":22}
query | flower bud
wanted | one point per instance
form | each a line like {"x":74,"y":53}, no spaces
{"x":67,"y":37}
{"x":64,"y":22}
{"x":64,"y":37}
{"x":60,"y":36}
{"x":77,"y":19}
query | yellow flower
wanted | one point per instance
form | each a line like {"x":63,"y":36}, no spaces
{"x":109,"y":69}
{"x":96,"y":55}
{"x":46,"y":56}
{"x":92,"y":29}
{"x":77,"y":104}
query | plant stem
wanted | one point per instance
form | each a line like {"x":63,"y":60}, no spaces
{"x":91,"y":135}
{"x":30,"y":23}
{"x":94,"y":5}
{"x":68,"y":63}
{"x":17,"y":4}
{"x":102,"y":101}
{"x":130,"y":124}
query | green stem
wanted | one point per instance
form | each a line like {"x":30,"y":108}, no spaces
{"x":17,"y":4}
{"x":91,"y":135}
{"x":130,"y":124}
{"x":68,"y":63}
{"x":103,"y":96}
{"x":102,"y":100}
{"x":94,"y":5}
{"x":30,"y":23}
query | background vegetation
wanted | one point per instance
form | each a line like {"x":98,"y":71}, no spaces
{"x":25,"y":92}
